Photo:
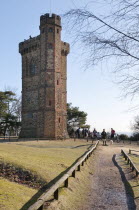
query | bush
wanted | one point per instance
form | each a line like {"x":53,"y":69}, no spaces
{"x":123,"y":137}
{"x":134,"y":137}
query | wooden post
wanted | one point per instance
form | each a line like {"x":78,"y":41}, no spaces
{"x":82,"y":163}
{"x":129,"y":151}
{"x":66,"y":183}
{"x":56,"y":194}
{"x":79,"y":168}
{"x":73,"y":174}
{"x":41,"y":208}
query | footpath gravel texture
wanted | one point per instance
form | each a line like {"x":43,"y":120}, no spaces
{"x":108,"y":190}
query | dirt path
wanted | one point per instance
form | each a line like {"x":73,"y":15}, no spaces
{"x":108,"y":188}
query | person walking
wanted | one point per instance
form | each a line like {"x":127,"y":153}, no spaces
{"x":78,"y":133}
{"x":104,"y":136}
{"x":112,"y":133}
{"x":95,"y":133}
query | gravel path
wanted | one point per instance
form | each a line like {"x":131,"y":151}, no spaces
{"x":108,"y":189}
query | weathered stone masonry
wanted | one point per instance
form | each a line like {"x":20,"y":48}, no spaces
{"x":44,"y":65}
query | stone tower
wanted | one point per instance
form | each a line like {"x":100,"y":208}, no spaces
{"x":44,"y":95}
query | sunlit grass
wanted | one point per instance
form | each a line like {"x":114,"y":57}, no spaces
{"x":13,"y":196}
{"x":46,"y":159}
{"x":135,"y":159}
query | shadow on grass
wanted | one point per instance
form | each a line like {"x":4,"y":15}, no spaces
{"x":47,"y":186}
{"x":136,"y":185}
{"x":128,"y":189}
{"x":84,"y":145}
{"x":134,"y":155}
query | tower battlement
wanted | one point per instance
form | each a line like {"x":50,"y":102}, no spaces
{"x":50,"y":19}
{"x":29,"y":44}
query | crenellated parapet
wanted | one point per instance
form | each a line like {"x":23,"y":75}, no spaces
{"x":50,"y":19}
{"x":29,"y":45}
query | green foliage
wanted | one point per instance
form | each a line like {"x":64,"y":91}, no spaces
{"x":134,"y":137}
{"x":85,"y":126}
{"x":123,"y":137}
{"x":73,"y":113}
{"x":5,"y":99}
{"x":75,"y":118}
{"x":9,"y":119}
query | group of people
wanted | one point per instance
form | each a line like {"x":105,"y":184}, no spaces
{"x":104,"y":136}
{"x":85,"y":133}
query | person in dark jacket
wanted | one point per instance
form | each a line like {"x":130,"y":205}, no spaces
{"x":95,"y":133}
{"x":104,"y":136}
{"x":112,"y":133}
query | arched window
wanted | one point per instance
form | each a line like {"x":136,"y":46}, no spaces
{"x":33,"y":67}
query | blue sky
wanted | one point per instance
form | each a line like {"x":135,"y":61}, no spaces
{"x":93,"y":90}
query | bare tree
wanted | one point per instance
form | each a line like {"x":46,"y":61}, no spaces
{"x":135,"y":126}
{"x":114,"y":35}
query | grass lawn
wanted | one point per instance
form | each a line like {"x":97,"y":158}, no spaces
{"x":13,"y":196}
{"x":46,"y":159}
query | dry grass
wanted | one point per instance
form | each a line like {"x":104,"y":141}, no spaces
{"x":47,"y":159}
{"x":13,"y":196}
{"x":76,"y":195}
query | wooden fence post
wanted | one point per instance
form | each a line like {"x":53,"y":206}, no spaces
{"x":73,"y":174}
{"x":56,"y":194}
{"x":79,"y":167}
{"x":41,"y":208}
{"x":66,"y":183}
